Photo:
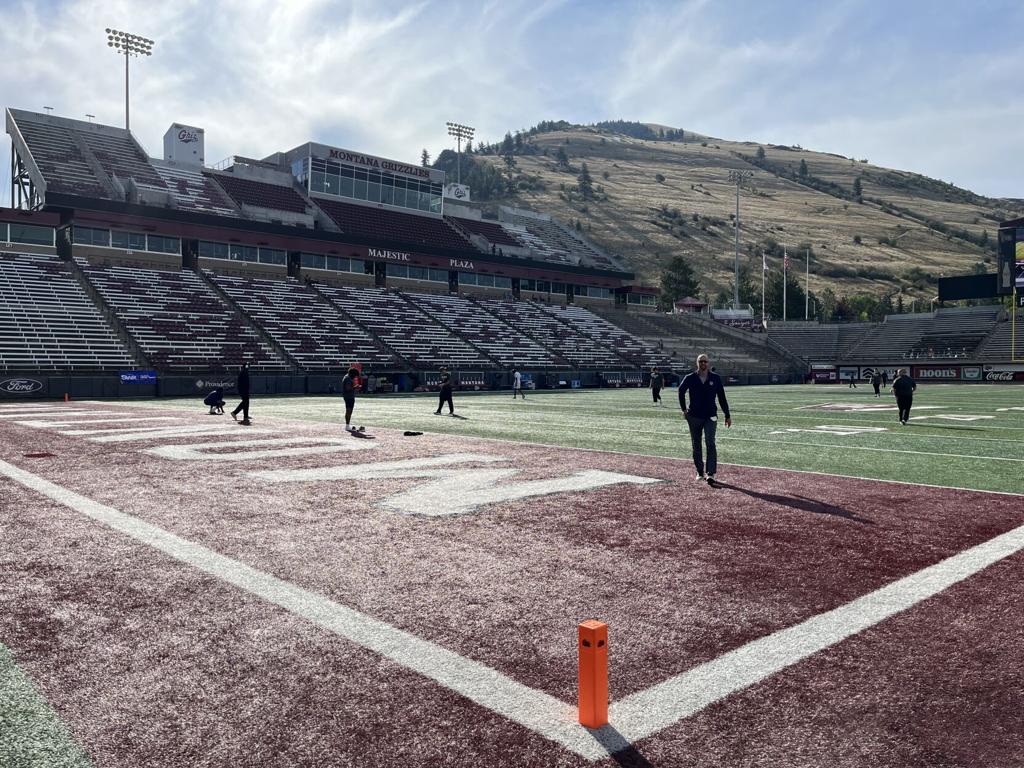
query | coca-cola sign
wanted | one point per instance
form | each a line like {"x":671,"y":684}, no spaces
{"x":20,"y":386}
{"x":1004,"y":376}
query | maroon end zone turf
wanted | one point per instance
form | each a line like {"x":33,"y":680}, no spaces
{"x":151,"y":662}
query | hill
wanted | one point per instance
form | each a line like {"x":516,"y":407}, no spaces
{"x":652,"y":198}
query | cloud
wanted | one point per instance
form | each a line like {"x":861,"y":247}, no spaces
{"x":899,"y":84}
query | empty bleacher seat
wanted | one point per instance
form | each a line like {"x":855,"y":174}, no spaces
{"x":394,"y":227}
{"x":305,"y":324}
{"x":260,"y":193}
{"x":180,"y":322}
{"x":49,"y":323}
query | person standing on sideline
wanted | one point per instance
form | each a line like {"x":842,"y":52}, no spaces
{"x":446,"y":393}
{"x":517,"y":385}
{"x":876,"y":382}
{"x":243,"y":392}
{"x":853,"y":383}
{"x":657,"y":382}
{"x":349,"y":385}
{"x":885,"y":377}
{"x":703,"y":386}
{"x":903,"y":387}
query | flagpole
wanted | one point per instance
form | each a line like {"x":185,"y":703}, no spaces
{"x":807,"y":287}
{"x":785,"y":263}
{"x":764,"y":268}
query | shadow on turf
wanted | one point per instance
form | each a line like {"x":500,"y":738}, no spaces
{"x":620,"y":750}
{"x":801,"y":503}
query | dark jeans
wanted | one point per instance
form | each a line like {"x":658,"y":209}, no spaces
{"x":705,"y":428}
{"x":904,"y":403}
{"x":656,"y":394}
{"x":243,"y":407}
{"x":446,"y":397}
{"x":878,"y":388}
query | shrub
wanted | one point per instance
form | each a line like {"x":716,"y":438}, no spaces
{"x":659,"y":177}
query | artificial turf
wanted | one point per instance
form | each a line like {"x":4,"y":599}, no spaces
{"x":960,"y":436}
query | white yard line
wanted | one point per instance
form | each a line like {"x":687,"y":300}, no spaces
{"x":846,"y":447}
{"x":635,"y":717}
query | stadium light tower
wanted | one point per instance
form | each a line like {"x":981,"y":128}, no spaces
{"x":460,"y":132}
{"x":738,"y":177}
{"x":129,"y":45}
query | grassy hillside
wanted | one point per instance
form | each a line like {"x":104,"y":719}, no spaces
{"x":657,"y":198}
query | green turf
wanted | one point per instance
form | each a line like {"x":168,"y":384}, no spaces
{"x":984,"y":454}
{"x":31,"y":735}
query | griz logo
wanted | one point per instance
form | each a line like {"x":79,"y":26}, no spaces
{"x":187,"y":137}
{"x":20,"y":386}
{"x":999,"y":376}
{"x":459,"y":193}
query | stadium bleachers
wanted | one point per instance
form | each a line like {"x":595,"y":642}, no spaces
{"x":179,"y":322}
{"x":510,"y":347}
{"x":553,"y":242}
{"x":58,"y":156}
{"x":406,"y":329}
{"x":566,"y":342}
{"x":491,"y":231}
{"x":637,"y":351}
{"x":193,"y":190}
{"x":260,"y":193}
{"x":901,"y":336}
{"x":120,"y":156}
{"x":305,"y":324}
{"x":393,"y":227}
{"x":49,"y":323}
{"x":1000,"y":343}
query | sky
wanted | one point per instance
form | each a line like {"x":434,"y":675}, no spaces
{"x":928,"y":87}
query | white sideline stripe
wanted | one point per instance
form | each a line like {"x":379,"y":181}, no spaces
{"x":74,"y":412}
{"x":536,"y":710}
{"x":845,"y":447}
{"x":155,"y":433}
{"x":40,"y":424}
{"x":662,"y":705}
{"x":635,"y":717}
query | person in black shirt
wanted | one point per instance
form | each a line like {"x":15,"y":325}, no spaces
{"x":903,"y":387}
{"x":703,"y":386}
{"x":243,"y":392}
{"x":657,"y":382}
{"x":876,"y":382}
{"x":349,"y":385}
{"x":216,"y":401}
{"x":446,"y":393}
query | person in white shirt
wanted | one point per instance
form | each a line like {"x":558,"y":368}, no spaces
{"x":517,"y":385}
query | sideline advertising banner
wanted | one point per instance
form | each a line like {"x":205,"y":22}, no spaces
{"x":936,"y":372}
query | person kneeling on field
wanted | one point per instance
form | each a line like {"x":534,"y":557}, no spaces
{"x":216,"y":402}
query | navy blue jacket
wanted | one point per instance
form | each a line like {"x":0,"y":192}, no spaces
{"x":702,"y":395}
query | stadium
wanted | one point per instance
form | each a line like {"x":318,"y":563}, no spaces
{"x":183,"y":590}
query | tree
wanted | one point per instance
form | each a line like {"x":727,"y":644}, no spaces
{"x":678,"y":282}
{"x":803,"y":169}
{"x":585,"y":182}
{"x":760,"y":153}
{"x":562,"y":158}
{"x":425,"y":158}
{"x":507,"y":144}
{"x":857,"y":190}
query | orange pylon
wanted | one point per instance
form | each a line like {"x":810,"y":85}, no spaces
{"x":593,"y":675}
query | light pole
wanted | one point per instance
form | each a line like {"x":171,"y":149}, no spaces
{"x":129,"y":45}
{"x":460,"y":132}
{"x":739,"y":177}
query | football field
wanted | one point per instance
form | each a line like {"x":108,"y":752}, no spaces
{"x":181,"y":590}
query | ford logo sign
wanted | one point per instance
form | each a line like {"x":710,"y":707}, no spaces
{"x":20,"y":386}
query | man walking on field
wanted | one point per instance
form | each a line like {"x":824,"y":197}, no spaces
{"x":703,"y":386}
{"x":903,"y":387}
